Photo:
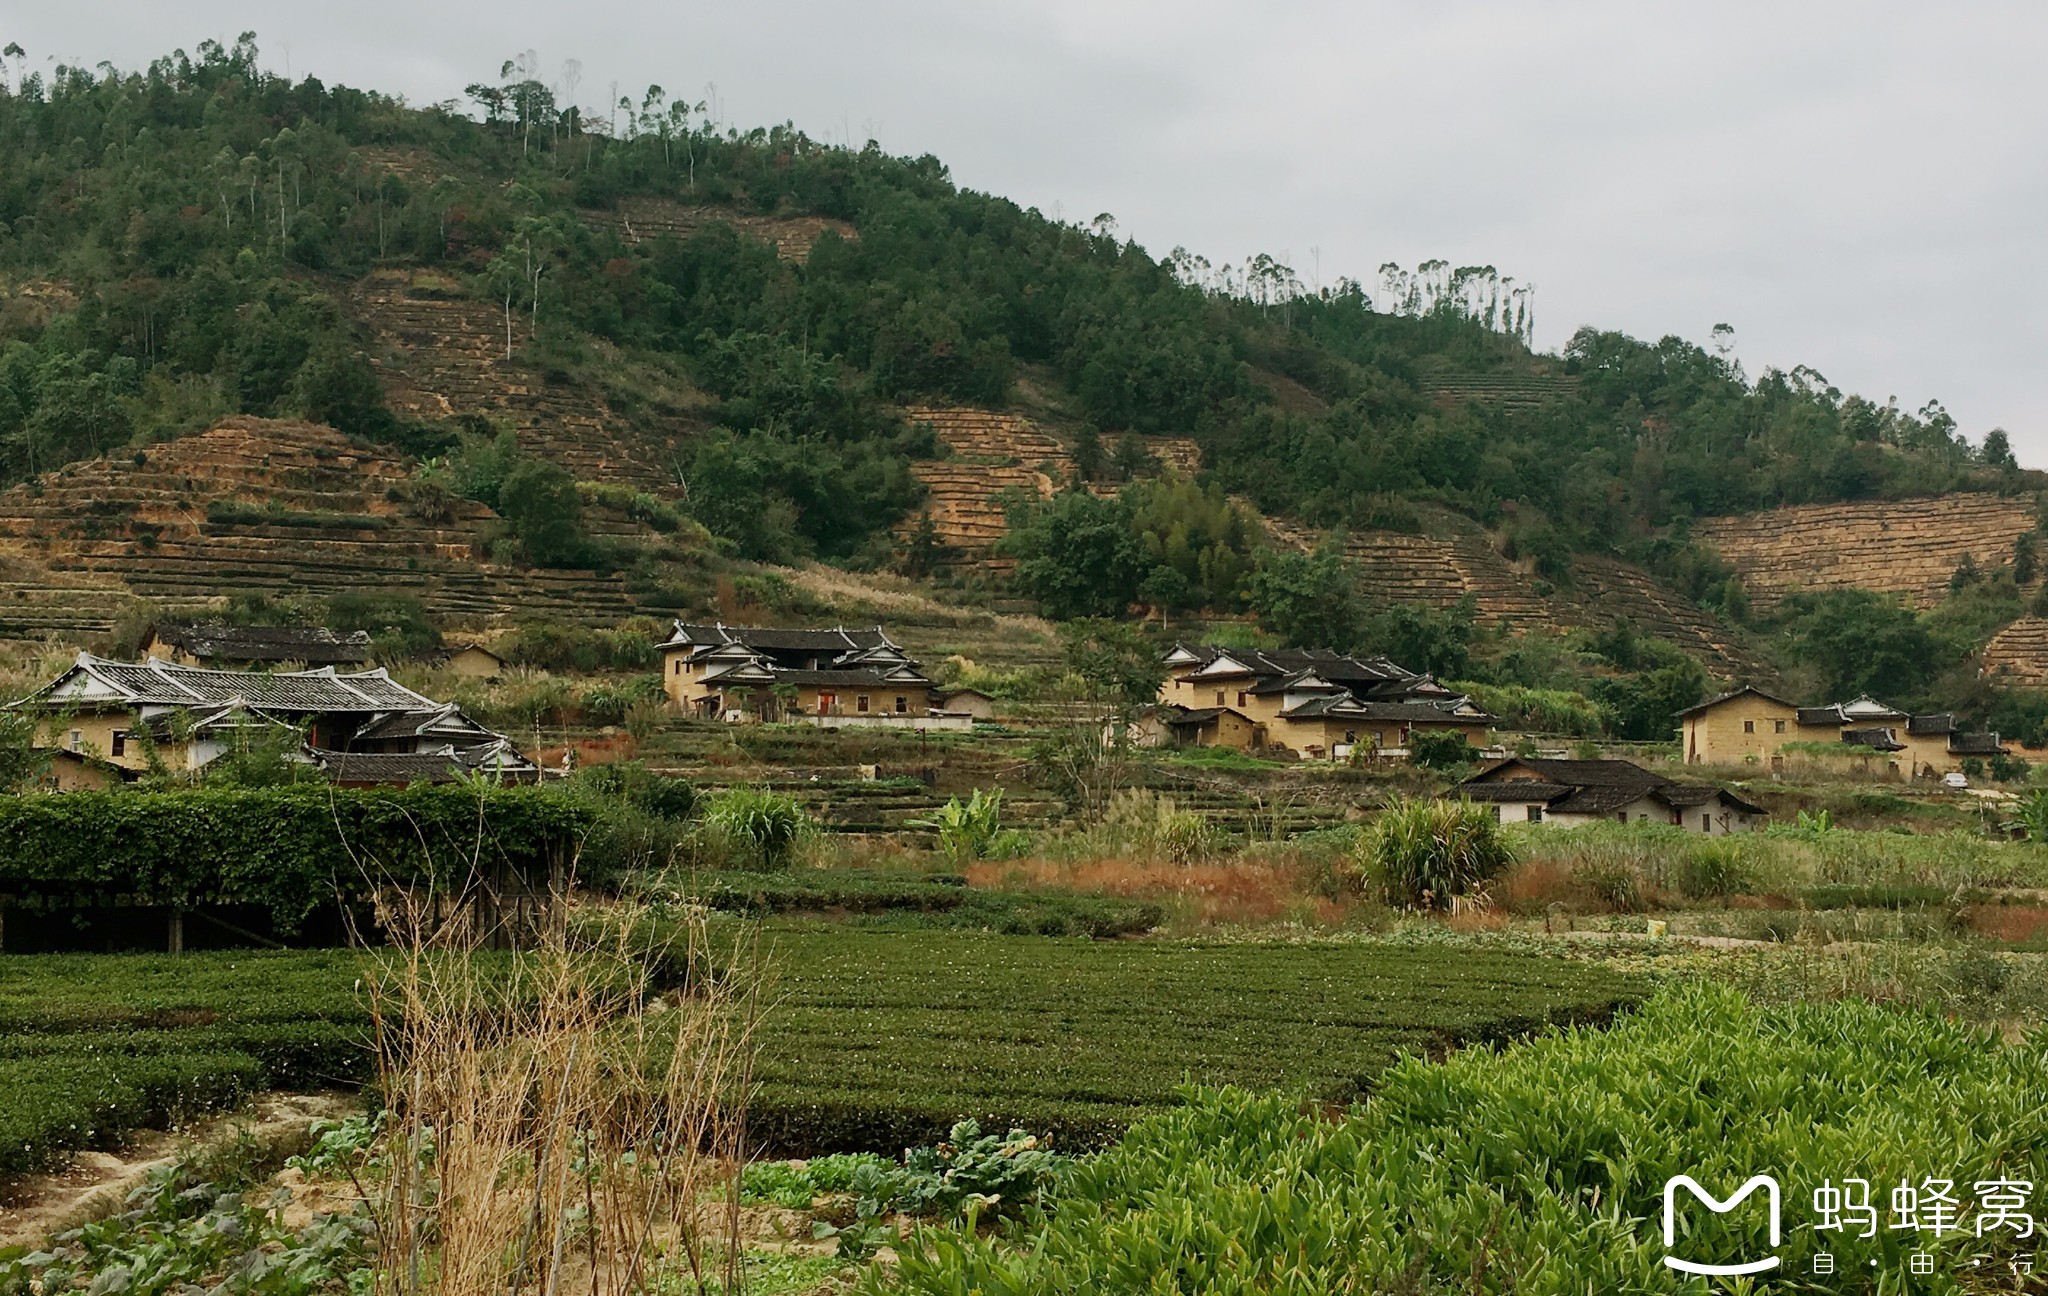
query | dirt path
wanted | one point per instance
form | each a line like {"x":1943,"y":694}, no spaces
{"x":96,"y":1184}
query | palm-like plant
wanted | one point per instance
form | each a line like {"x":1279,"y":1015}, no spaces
{"x":1422,"y":853}
{"x":966,"y":829}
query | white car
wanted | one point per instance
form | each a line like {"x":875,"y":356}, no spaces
{"x":1954,"y":780}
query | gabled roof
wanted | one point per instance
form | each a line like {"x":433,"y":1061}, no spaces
{"x":1343,"y":707}
{"x":217,"y":641}
{"x":1590,"y":787}
{"x":1200,"y":716}
{"x":1976,"y":744}
{"x":1931,"y":726}
{"x":1747,"y":690}
{"x":1881,"y":738}
{"x":901,"y":677}
{"x":445,"y":721}
{"x":1830,"y":714}
{"x":443,"y":766}
{"x":778,"y":639}
{"x":1574,"y":773}
{"x":158,"y":683}
{"x":1273,"y":662}
{"x":1867,"y":707}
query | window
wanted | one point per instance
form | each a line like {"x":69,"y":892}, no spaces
{"x":1777,"y":726}
{"x":1749,"y":726}
{"x":1621,"y":815}
{"x":1219,"y":697}
{"x":862,"y":704}
{"x":1535,"y":814}
{"x":902,"y":705}
{"x":120,"y":743}
{"x":1240,"y":697}
{"x":679,"y":665}
{"x":77,"y":739}
{"x":1706,"y":823}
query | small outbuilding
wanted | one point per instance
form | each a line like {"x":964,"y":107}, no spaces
{"x":1527,"y":789}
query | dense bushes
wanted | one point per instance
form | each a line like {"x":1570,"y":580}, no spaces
{"x":1540,"y":1168}
{"x":287,"y":849}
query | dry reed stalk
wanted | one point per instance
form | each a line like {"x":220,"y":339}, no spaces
{"x":555,"y":1123}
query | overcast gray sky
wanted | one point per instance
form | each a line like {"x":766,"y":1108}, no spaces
{"x":1858,"y":187}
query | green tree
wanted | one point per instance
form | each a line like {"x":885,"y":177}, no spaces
{"x":1076,"y":556}
{"x":540,"y":502}
{"x":1308,"y":600}
{"x":1118,"y":662}
{"x":1419,"y":637}
{"x":1859,"y":641}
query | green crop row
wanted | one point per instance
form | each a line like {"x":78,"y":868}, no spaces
{"x":924,"y":901}
{"x":1541,"y":1169}
{"x":874,"y":1040}
{"x":94,"y":1045}
{"x":879,"y":1040}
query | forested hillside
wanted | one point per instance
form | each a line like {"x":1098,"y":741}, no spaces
{"x":739,"y":321}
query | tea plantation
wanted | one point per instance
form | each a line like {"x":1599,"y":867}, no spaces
{"x":873,"y":1039}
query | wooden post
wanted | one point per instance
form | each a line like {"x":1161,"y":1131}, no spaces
{"x":177,"y":931}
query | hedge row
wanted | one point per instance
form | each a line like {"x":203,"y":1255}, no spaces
{"x":287,"y":849}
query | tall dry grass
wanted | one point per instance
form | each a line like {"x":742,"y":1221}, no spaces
{"x":558,"y":1120}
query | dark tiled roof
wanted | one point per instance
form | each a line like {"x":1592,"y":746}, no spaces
{"x":1341,"y":707}
{"x":1820,"y":715}
{"x":1929,"y":726}
{"x":1578,"y":773}
{"x":1332,"y":666}
{"x":1201,"y":716}
{"x":1513,"y":790}
{"x":1878,"y":739}
{"x":443,"y":720}
{"x":1731,"y":696}
{"x":313,"y":645}
{"x":157,"y":683}
{"x":777,"y":639}
{"x":402,"y":768}
{"x":848,"y":679}
{"x":1976,"y":744}
{"x":1604,"y":799}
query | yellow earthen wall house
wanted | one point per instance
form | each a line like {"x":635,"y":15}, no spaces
{"x":1737,"y":727}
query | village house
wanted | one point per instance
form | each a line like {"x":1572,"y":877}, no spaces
{"x":1573,"y":792}
{"x":971,"y":702}
{"x":831,"y":678}
{"x":1750,"y":726}
{"x":233,"y":646}
{"x":103,"y":717}
{"x":1318,"y":704}
{"x":473,"y":660}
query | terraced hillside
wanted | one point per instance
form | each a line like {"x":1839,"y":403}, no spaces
{"x":2018,"y":654}
{"x":994,"y":454}
{"x":1441,"y":569}
{"x":442,"y":354}
{"x":295,"y":508}
{"x":645,"y":220}
{"x":1908,"y":547}
{"x":1510,"y":391}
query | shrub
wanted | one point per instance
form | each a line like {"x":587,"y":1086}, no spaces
{"x":1715,"y":870}
{"x":1616,"y":883}
{"x":759,"y":825}
{"x":1439,"y":751}
{"x":967,"y":829}
{"x":1422,"y":853}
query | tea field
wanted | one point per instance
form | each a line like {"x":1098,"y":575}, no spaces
{"x":872,"y":1040}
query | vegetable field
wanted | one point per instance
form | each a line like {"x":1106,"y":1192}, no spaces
{"x":873,"y":1040}
{"x":1539,"y":1170}
{"x":94,"y":1045}
{"x":879,"y":1040}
